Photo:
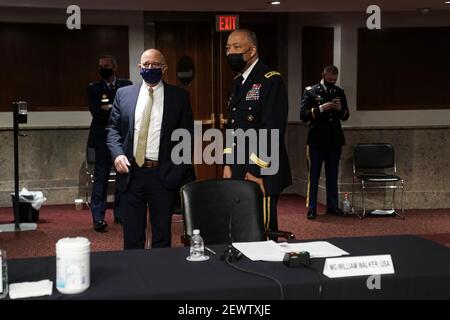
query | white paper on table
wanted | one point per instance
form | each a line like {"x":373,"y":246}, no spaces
{"x":271,"y":251}
{"x":260,"y":250}
{"x":316,"y":249}
{"x":30,"y":289}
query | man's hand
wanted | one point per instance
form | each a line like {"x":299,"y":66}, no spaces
{"x":328,"y":106}
{"x":259,"y":181}
{"x":121,"y":164}
{"x":337,"y":102}
{"x":226,"y":172}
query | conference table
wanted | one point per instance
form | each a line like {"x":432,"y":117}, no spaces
{"x":422,"y":271}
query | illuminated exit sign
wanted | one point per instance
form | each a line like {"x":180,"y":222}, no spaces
{"x":227,"y":23}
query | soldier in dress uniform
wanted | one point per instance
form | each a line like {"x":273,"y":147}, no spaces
{"x":101,"y":97}
{"x":258,"y":101}
{"x":324,"y":105}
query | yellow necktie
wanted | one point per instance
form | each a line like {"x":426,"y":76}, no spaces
{"x":143,"y":131}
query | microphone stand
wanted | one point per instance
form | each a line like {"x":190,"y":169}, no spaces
{"x":231,"y":254}
{"x":19,"y":109}
{"x":19,"y":116}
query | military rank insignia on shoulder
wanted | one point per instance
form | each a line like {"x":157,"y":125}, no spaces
{"x":271,"y":74}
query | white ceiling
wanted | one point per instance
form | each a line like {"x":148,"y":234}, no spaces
{"x":233,"y":5}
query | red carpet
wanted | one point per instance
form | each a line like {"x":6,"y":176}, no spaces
{"x":57,"y":222}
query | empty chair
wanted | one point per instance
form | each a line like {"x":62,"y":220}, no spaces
{"x":374,"y":167}
{"x":224,"y":211}
{"x":189,"y":175}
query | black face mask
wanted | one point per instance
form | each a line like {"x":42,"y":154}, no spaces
{"x":329,"y":85}
{"x":236,"y":61}
{"x":106,"y":73}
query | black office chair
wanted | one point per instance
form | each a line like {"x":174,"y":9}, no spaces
{"x":374,"y":167}
{"x":89,"y":167}
{"x":189,"y":175}
{"x":221,"y":207}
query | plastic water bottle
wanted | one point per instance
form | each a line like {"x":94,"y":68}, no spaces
{"x":197,"y":250}
{"x":346,"y":207}
{"x":3,"y":275}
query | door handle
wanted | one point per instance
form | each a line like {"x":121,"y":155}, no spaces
{"x":211,"y":121}
{"x":222,"y":121}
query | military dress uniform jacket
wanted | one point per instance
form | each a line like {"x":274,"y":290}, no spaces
{"x":261,"y":103}
{"x":325,"y":127}
{"x":99,"y":94}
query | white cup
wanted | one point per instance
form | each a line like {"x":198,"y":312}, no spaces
{"x":79,"y":204}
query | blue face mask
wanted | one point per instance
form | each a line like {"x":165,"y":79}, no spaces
{"x":151,"y":75}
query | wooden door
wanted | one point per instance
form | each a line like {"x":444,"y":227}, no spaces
{"x":190,"y":50}
{"x":196,"y":60}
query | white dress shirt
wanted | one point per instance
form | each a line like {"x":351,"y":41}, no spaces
{"x":154,"y":130}
{"x":108,"y":84}
{"x":247,"y":72}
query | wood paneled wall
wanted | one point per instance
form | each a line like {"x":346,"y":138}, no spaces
{"x":317,"y":52}
{"x":403,"y":68}
{"x":50,"y":66}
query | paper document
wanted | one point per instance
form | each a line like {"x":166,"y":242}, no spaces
{"x":271,"y":251}
{"x":260,"y":250}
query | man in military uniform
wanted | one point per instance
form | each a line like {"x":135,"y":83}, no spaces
{"x":258,"y":101}
{"x":324,"y":105}
{"x":101,"y":96}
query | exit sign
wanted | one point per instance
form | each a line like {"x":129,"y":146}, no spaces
{"x":227,"y":23}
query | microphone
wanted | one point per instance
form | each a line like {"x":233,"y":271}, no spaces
{"x":231,"y":253}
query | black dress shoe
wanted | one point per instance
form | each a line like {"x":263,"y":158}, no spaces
{"x":336,"y":212}
{"x":311,"y":214}
{"x":100,"y":226}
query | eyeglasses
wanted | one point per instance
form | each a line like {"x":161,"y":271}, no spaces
{"x":151,"y":65}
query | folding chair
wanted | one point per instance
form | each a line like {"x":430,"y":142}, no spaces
{"x":374,"y":167}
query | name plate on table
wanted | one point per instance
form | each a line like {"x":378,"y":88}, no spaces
{"x":358,"y":266}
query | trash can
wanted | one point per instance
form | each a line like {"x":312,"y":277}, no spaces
{"x":26,"y":212}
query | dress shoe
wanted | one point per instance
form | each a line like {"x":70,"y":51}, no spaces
{"x":311,"y":214}
{"x":117,"y":220}
{"x":336,"y":212}
{"x":100,"y":226}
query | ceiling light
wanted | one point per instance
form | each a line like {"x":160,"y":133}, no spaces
{"x":275,"y":3}
{"x":447,"y":2}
